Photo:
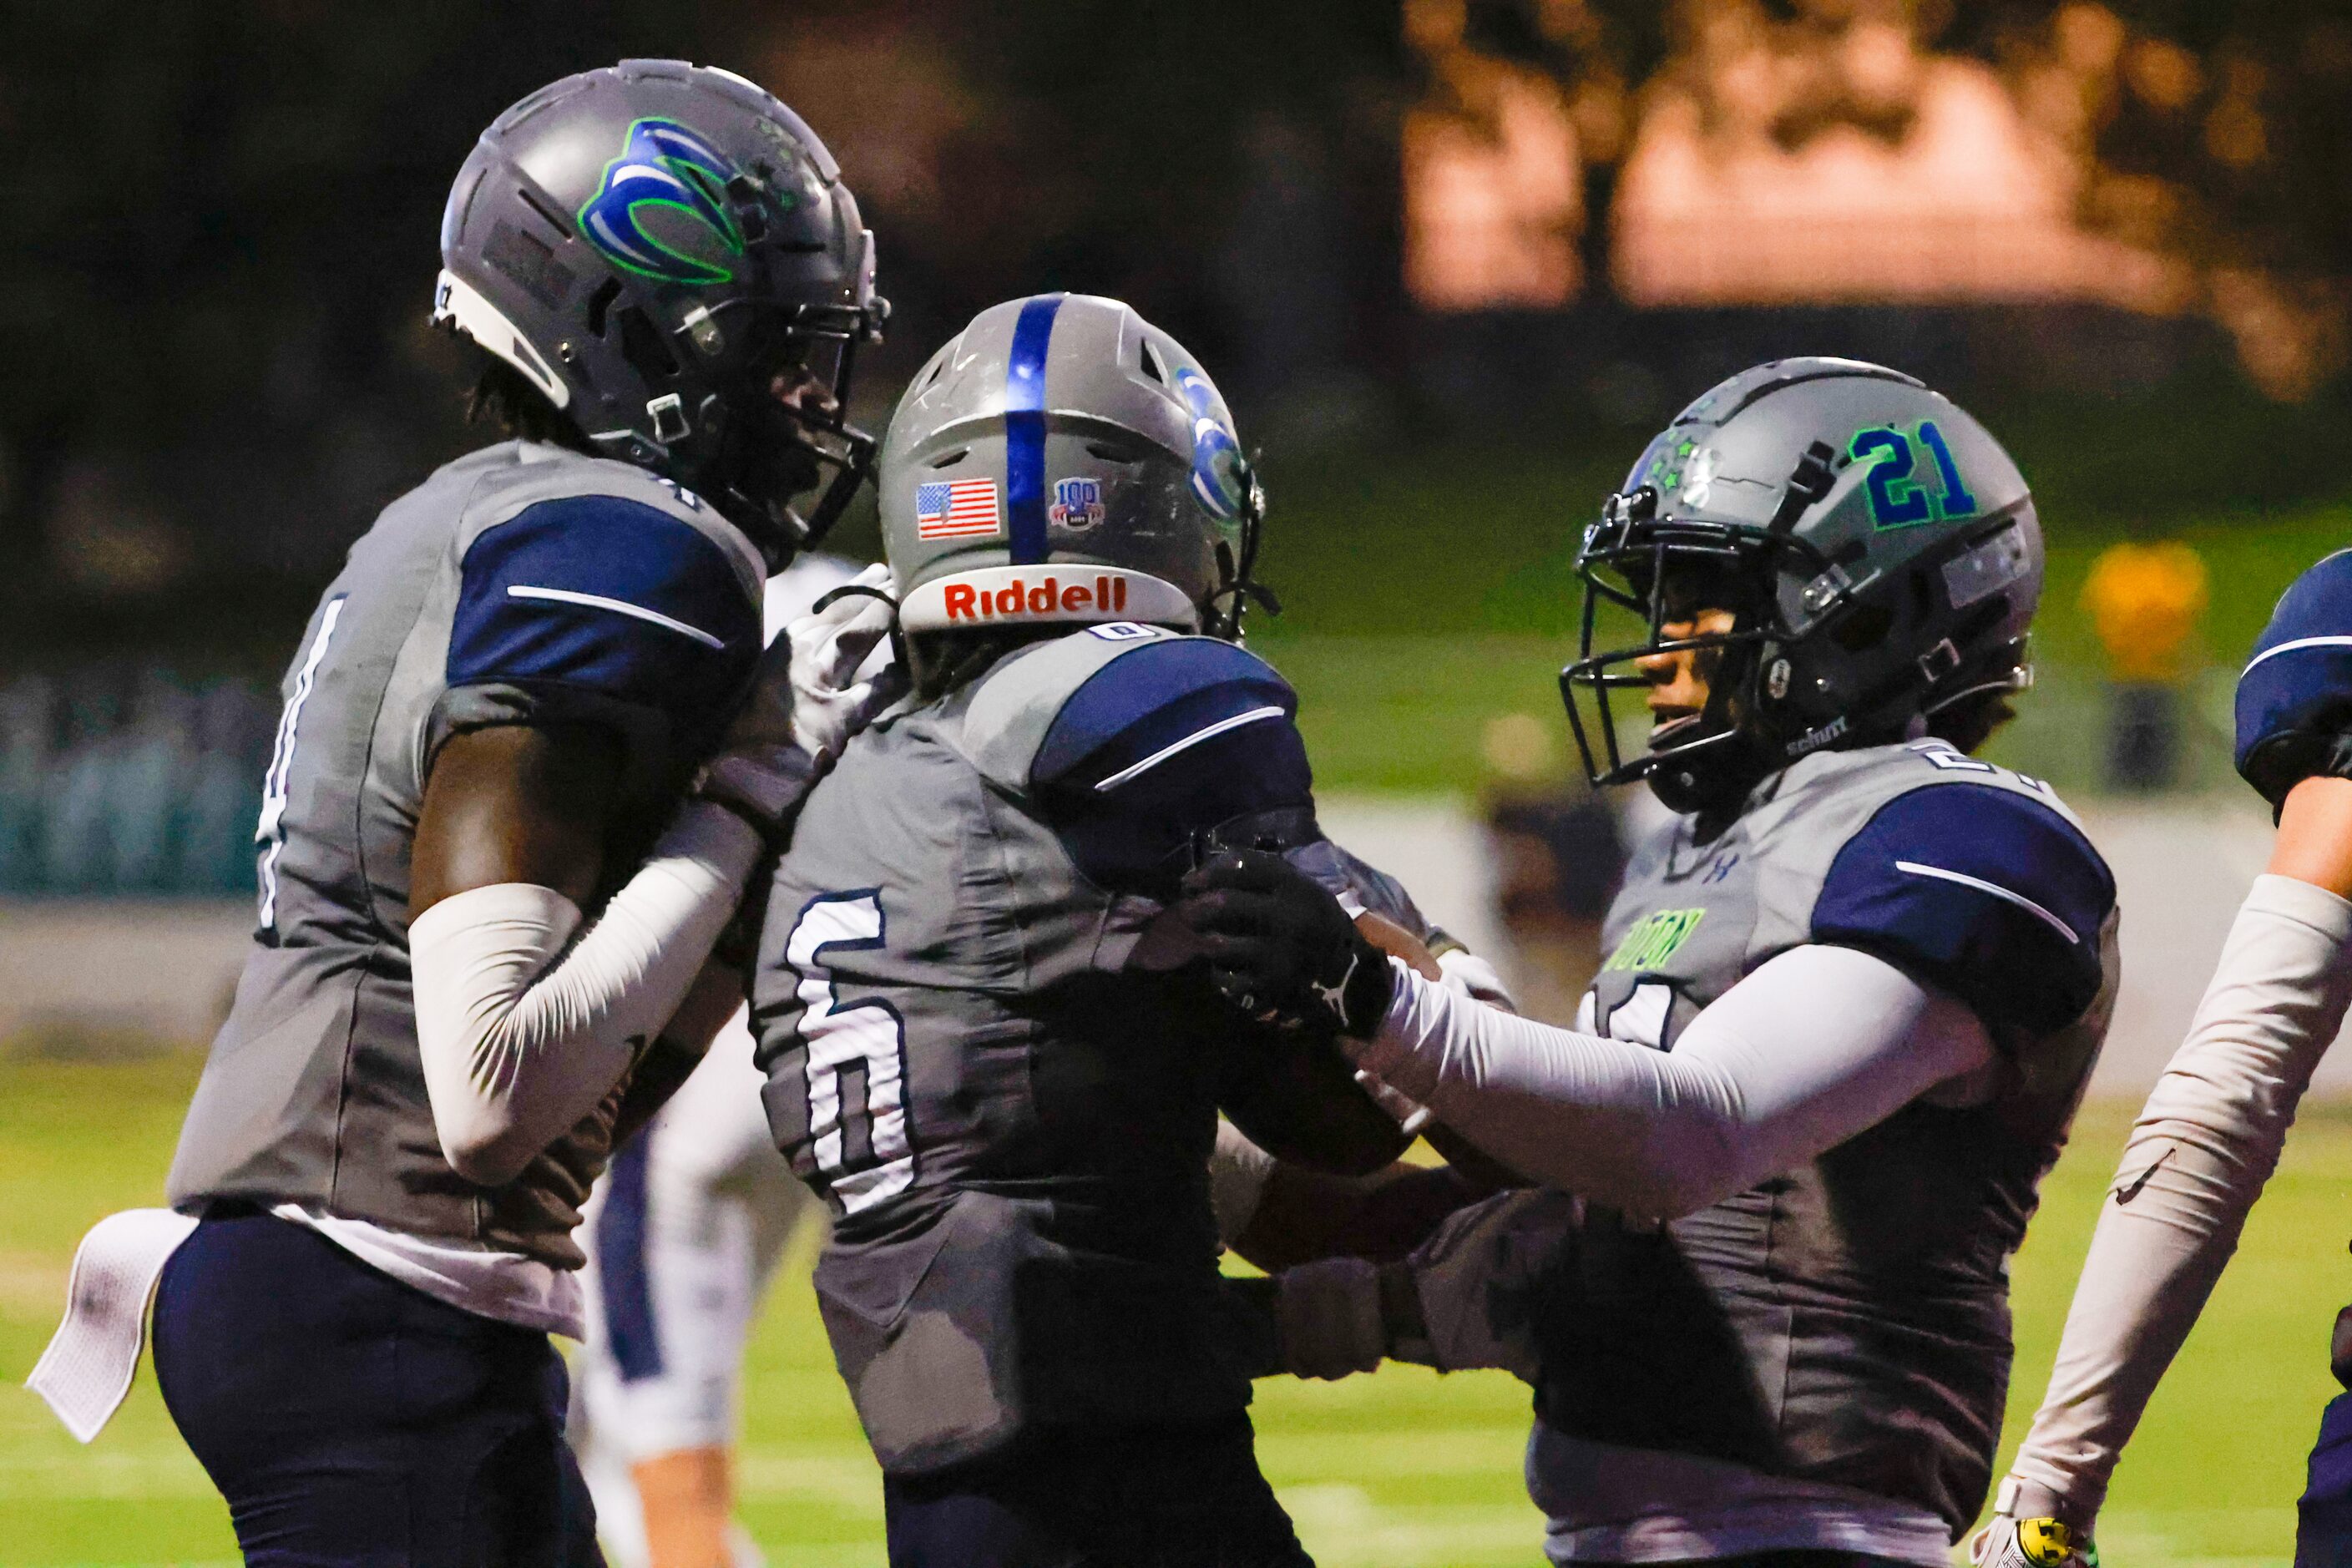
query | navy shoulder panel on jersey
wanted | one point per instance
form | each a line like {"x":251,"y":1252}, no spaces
{"x":601,"y":609}
{"x":2294,"y":698}
{"x":1986,"y":891}
{"x":1160,"y":744}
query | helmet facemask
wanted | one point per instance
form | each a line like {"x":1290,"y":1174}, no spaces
{"x":1237,"y":586}
{"x":773,"y":435}
{"x":1669,"y":572}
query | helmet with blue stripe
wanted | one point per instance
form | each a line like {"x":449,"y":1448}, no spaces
{"x":2294,"y":698}
{"x":1061,"y":460}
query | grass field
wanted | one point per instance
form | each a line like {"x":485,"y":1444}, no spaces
{"x":1399,"y":1469}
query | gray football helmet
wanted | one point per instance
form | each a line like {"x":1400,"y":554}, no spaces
{"x":1062,"y":459}
{"x":652,"y":245}
{"x":1879,"y":551}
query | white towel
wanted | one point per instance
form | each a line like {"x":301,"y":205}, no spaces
{"x":87,"y":1367}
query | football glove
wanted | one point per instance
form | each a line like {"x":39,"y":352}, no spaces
{"x":1328,"y":1315}
{"x":1474,"y":1283}
{"x":1279,"y":946}
{"x":805,"y":702}
{"x":2009,"y":1542}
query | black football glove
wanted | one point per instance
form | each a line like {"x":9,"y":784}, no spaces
{"x":1280,"y":947}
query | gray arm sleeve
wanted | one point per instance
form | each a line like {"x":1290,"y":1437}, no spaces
{"x":2199,"y":1156}
{"x":1762,"y":1080}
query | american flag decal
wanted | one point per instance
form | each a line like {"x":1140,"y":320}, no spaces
{"x":955,"y":509}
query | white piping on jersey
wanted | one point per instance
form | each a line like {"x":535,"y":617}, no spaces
{"x":2290,"y":647}
{"x":1998,"y":892}
{"x":1194,"y":739}
{"x":620,"y":606}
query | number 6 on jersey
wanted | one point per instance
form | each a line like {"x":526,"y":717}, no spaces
{"x":867,"y":1039}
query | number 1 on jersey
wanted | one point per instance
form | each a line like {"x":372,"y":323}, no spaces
{"x":868,"y":1038}
{"x":269,"y":833}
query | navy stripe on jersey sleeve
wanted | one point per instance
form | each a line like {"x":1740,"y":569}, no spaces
{"x":1162,"y":744}
{"x":2294,"y":697}
{"x":1986,"y":893}
{"x":600,"y":609}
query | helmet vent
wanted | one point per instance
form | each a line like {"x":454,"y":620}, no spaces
{"x":1151,"y":361}
{"x":749,"y":213}
{"x":948,"y":459}
{"x":600,"y":302}
{"x":532,"y":200}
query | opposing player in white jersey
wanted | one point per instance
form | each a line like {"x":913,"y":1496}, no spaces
{"x":1855,"y":988}
{"x":2213,"y":1129}
{"x":682,"y":1234}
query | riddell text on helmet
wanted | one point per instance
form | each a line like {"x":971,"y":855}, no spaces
{"x":1049,"y":596}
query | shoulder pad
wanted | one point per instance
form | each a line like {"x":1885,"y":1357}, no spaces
{"x":601,"y":608}
{"x":1990,"y":891}
{"x":535,"y":474}
{"x":1099,"y":695}
{"x":2294,"y":697}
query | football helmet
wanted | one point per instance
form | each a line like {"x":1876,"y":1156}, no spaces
{"x":1877,"y":548}
{"x":660,"y":249}
{"x":1062,"y":459}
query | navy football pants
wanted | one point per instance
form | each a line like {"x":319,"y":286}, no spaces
{"x":349,"y":1419}
{"x":1157,"y":1497}
{"x":2323,"y":1537}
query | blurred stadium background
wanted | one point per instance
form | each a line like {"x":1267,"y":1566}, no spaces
{"x":1454,"y":260}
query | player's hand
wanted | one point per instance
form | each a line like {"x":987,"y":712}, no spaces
{"x":1280,"y":947}
{"x":2009,"y":1542}
{"x":829,"y":704}
{"x":1328,"y":1316}
{"x":805,"y":702}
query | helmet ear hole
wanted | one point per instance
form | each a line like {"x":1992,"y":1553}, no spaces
{"x":600,"y":302}
{"x":644,"y":347}
{"x":1861,"y":628}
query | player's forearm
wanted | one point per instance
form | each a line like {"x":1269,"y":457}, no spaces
{"x":1761,"y":1082}
{"x":2199,"y":1156}
{"x":522,"y":1036}
{"x":665,"y":1065}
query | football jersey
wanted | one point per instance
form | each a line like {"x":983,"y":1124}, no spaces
{"x":1011,"y":1122}
{"x":2295,"y":696}
{"x":1845,"y":1323}
{"x":521,"y":585}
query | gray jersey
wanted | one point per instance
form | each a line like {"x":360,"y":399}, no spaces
{"x":1846,"y":1323}
{"x":521,"y":585}
{"x":1011,"y":1122}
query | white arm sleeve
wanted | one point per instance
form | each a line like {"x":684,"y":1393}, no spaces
{"x":2199,"y":1155}
{"x":1238,"y":1173}
{"x":521,"y":1037}
{"x":1761,"y":1081}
